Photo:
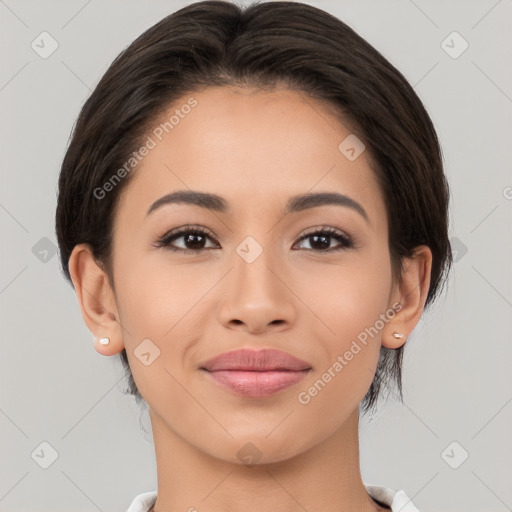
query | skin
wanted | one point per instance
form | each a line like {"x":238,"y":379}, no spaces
{"x":255,"y":149}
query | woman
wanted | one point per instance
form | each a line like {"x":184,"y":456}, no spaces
{"x":253,"y":214}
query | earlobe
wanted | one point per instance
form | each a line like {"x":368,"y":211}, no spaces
{"x":96,"y":300}
{"x":411,"y":294}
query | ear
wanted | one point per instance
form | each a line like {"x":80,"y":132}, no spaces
{"x":409,"y":297}
{"x":96,"y":299}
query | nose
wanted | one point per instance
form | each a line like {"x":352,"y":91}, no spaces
{"x":255,"y":296}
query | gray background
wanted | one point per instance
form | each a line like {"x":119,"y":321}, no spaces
{"x":56,"y":388}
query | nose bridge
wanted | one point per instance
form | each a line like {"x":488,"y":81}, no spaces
{"x":254,"y":294}
{"x":253,"y":262}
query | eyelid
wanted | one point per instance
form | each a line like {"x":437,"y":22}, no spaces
{"x":331,"y":229}
{"x":186,"y":228}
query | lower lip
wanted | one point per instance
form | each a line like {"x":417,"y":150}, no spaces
{"x":257,"y":384}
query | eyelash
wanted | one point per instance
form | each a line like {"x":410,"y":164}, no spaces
{"x":346,"y":241}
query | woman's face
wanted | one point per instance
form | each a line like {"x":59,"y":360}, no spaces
{"x":256,"y":279}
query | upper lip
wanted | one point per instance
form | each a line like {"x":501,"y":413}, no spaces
{"x":255,"y":360}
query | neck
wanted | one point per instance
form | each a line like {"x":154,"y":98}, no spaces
{"x":326,"y":477}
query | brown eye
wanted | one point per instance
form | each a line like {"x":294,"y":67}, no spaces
{"x":321,"y":240}
{"x":194,"y":240}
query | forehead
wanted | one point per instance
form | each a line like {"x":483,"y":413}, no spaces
{"x":254,"y":148}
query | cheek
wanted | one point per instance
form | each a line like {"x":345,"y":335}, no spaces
{"x":349,"y":346}
{"x":350,"y":302}
{"x":164,"y":304}
{"x":154,"y":292}
{"x":155,"y":313}
{"x":346,"y":297}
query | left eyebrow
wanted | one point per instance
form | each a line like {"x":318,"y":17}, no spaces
{"x":305,"y":201}
{"x":295,"y":204}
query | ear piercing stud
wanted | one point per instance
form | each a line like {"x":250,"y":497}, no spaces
{"x":398,"y":335}
{"x":105,"y":341}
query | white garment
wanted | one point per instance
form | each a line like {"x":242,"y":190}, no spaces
{"x":397,"y":500}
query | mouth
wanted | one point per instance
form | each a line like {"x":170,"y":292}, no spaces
{"x":256,"y":373}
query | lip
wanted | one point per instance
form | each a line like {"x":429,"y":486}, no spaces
{"x":256,"y":373}
{"x":255,"y":360}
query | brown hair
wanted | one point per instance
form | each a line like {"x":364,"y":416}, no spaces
{"x":217,"y":43}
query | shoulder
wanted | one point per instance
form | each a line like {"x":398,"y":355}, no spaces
{"x":142,"y":502}
{"x":396,"y":500}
